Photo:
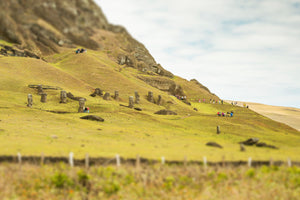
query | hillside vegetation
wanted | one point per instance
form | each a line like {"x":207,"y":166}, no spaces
{"x":38,"y":40}
{"x":125,"y":131}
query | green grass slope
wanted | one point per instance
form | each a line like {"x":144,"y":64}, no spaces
{"x":125,"y":131}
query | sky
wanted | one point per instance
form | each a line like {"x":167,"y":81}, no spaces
{"x":243,"y":50}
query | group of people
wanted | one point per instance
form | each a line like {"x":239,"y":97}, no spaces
{"x":224,"y":114}
{"x":86,"y":110}
{"x":180,"y":97}
{"x":82,"y":50}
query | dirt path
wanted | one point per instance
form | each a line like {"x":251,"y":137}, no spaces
{"x":287,"y":115}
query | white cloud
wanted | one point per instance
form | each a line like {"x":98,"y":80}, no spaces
{"x":240,"y":49}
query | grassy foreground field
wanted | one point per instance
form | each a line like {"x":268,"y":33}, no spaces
{"x":36,"y":130}
{"x":149,"y":182}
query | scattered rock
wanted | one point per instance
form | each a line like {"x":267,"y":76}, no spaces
{"x":214,"y":144}
{"x":93,"y":117}
{"x":54,"y":137}
{"x":263,"y":144}
{"x":165,"y":112}
{"x":138,"y":109}
{"x":195,"y":109}
{"x":250,"y":141}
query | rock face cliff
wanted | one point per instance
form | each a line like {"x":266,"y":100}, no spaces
{"x":44,"y":27}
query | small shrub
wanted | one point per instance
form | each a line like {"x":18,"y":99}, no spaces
{"x":83,"y":178}
{"x":250,"y":173}
{"x":111,"y":188}
{"x":61,"y":180}
{"x":169,"y":182}
{"x":129,"y":179}
{"x":222,"y":177}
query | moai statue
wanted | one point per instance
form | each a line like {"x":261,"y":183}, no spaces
{"x":242,"y":147}
{"x":150,"y":97}
{"x":137,"y":97}
{"x":40,"y":89}
{"x":131,"y":104}
{"x":29,"y":99}
{"x":43,"y":97}
{"x":106,"y":96}
{"x":98,"y":92}
{"x":159,"y":101}
{"x":218,"y":130}
{"x":81,"y":105}
{"x":116,"y":97}
{"x":63,"y":96}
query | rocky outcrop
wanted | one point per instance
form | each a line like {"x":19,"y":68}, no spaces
{"x":250,"y":141}
{"x":164,"y":84}
{"x":11,"y":51}
{"x":214,"y":144}
{"x":165,"y":112}
{"x":43,"y":26}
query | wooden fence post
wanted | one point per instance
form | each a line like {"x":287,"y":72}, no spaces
{"x":19,"y":158}
{"x":118,"y":160}
{"x":138,"y":162}
{"x":271,"y":162}
{"x":289,"y":162}
{"x":249,"y":162}
{"x":163,"y":160}
{"x":71,"y":160}
{"x":223,"y":161}
{"x":185,"y":161}
{"x":42,"y":159}
{"x":87,"y":161}
{"x":204,"y":162}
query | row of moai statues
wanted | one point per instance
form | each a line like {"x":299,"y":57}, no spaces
{"x":63,"y":97}
{"x":150,"y":98}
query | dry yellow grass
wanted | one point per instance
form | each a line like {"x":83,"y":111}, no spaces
{"x":287,"y":115}
{"x":125,"y":131}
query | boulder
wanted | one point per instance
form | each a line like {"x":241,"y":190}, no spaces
{"x":262,"y":144}
{"x":93,"y":117}
{"x":138,"y":109}
{"x":250,"y":141}
{"x":165,"y":112}
{"x":214,"y":144}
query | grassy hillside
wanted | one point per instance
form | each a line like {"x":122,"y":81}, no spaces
{"x":125,"y":131}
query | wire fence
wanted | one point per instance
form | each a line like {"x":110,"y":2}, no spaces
{"x":119,"y":161}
